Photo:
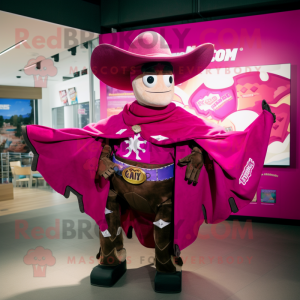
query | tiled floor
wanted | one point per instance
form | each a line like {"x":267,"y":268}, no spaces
{"x":217,"y":266}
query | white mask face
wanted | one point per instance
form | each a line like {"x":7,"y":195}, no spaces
{"x":154,"y":88}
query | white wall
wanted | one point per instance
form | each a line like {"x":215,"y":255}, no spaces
{"x":44,"y":108}
{"x":66,"y":66}
{"x":68,"y":117}
{"x":96,"y":87}
{"x":81,"y":84}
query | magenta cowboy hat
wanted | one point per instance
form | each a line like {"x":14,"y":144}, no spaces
{"x":112,"y":65}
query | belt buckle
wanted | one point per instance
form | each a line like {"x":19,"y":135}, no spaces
{"x":134,"y":175}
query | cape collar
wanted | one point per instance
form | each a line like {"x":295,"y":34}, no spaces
{"x":136,"y":114}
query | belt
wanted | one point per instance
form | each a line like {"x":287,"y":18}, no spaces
{"x":157,"y":174}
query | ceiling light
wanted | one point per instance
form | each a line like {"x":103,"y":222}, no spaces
{"x":12,"y":47}
{"x":37,"y":65}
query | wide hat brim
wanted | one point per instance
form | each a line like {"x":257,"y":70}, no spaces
{"x":112,"y":65}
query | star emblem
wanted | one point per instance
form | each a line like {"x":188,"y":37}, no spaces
{"x":135,"y":145}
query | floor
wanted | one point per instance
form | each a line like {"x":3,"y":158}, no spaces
{"x":260,"y":263}
{"x":26,"y":199}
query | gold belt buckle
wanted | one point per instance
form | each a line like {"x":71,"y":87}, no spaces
{"x":134,"y":175}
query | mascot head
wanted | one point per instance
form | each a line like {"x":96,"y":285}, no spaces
{"x":148,"y":67}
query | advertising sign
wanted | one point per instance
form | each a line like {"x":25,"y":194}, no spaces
{"x":63,"y":97}
{"x":73,"y":95}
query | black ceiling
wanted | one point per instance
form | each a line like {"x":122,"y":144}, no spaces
{"x":102,"y":15}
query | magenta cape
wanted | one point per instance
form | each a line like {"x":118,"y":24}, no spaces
{"x":68,"y":160}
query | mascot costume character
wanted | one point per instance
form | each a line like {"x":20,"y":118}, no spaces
{"x":154,"y":167}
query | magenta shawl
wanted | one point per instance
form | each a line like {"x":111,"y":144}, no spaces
{"x":68,"y":160}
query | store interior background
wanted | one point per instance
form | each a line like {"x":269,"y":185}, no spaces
{"x":274,"y":273}
{"x":14,"y":62}
{"x":67,"y":69}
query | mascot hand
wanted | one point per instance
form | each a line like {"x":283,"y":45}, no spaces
{"x":266,"y":107}
{"x":194,"y":163}
{"x":106,"y":166}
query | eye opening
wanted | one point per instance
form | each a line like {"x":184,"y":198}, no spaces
{"x":150,"y":80}
{"x":168,"y":79}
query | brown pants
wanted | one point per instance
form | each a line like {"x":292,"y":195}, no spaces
{"x":154,"y":197}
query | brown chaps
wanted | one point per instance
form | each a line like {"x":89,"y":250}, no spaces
{"x":153,"y":197}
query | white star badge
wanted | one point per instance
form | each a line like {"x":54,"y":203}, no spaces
{"x":105,"y":233}
{"x":159,"y":137}
{"x":119,"y":230}
{"x":121,"y":131}
{"x":107,"y":211}
{"x":161,"y":223}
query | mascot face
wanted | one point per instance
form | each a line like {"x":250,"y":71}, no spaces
{"x":155,"y":86}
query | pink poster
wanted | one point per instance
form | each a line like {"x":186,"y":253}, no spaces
{"x":117,"y":99}
{"x":231,"y":98}
{"x":63,"y":97}
{"x":73,"y":95}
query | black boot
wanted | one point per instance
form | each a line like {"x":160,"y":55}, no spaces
{"x":112,"y":255}
{"x":168,"y":268}
{"x":169,"y":283}
{"x":103,"y":275}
